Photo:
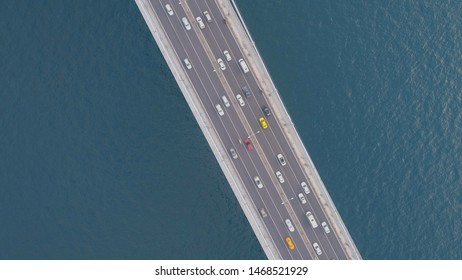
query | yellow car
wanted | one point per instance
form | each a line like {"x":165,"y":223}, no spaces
{"x":290,"y":243}
{"x":263,"y":123}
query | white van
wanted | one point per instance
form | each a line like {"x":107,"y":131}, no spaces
{"x":310,"y":217}
{"x":243,"y":65}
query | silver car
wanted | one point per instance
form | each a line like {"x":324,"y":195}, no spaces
{"x":222,"y":64}
{"x":317,"y":248}
{"x":280,"y":178}
{"x":169,"y":9}
{"x":186,"y":23}
{"x":311,"y":219}
{"x":258,"y":182}
{"x":263,"y":213}
{"x":220,"y":110}
{"x":200,"y":23}
{"x":207,"y":16}
{"x":290,"y":226}
{"x":240,"y":100}
{"x":305,"y":187}
{"x":325,"y":227}
{"x":302,"y":198}
{"x":281,"y":159}
{"x":227,"y":55}
{"x":225,"y":101}
{"x":187,"y":63}
{"x":233,"y":153}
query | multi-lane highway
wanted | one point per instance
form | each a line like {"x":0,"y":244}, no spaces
{"x":201,"y":48}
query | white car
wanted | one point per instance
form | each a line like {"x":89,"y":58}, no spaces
{"x":317,"y":248}
{"x":305,"y":187}
{"x":280,"y":178}
{"x":244,"y":66}
{"x":225,"y":101}
{"x":290,"y":226}
{"x":169,"y":9}
{"x":325,"y":227}
{"x":207,"y":16}
{"x":302,"y":198}
{"x":312,"y":220}
{"x":187,"y":63}
{"x":219,"y":109}
{"x":221,"y":63}
{"x":186,"y":23}
{"x":263,"y":213}
{"x":281,"y":159}
{"x":200,"y":23}
{"x":227,"y":55}
{"x":258,"y":182}
{"x":240,"y":100}
{"x":233,"y":153}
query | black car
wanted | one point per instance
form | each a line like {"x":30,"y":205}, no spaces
{"x":246,"y":91}
{"x":266,"y":110}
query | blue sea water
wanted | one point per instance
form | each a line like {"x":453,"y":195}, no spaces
{"x":101,"y":158}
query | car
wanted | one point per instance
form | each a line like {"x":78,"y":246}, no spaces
{"x":263,"y":123}
{"x":246,"y":91}
{"x":317,"y":248}
{"x":200,"y":23}
{"x":169,"y":9}
{"x":221,"y":63}
{"x":290,"y":243}
{"x":312,"y":220}
{"x":280,"y":178}
{"x":325,"y":227}
{"x":186,"y":23}
{"x":248,"y":144}
{"x":281,"y":159}
{"x":187,"y":63}
{"x":258,"y":182}
{"x":263,"y":213}
{"x":266,"y":111}
{"x":207,"y":16}
{"x":244,"y":66}
{"x":233,"y":153}
{"x":290,"y":226}
{"x":219,"y":109}
{"x":305,"y":187}
{"x":302,"y":198}
{"x":227,"y":55}
{"x":225,"y":101}
{"x":240,"y":100}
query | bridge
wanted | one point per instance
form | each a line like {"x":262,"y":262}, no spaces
{"x":225,"y":82}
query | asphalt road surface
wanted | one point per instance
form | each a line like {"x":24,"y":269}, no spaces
{"x":202,"y":47}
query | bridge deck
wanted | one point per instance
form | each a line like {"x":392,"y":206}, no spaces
{"x":204,"y":85}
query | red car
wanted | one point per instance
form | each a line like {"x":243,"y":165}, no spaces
{"x":248,"y":144}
